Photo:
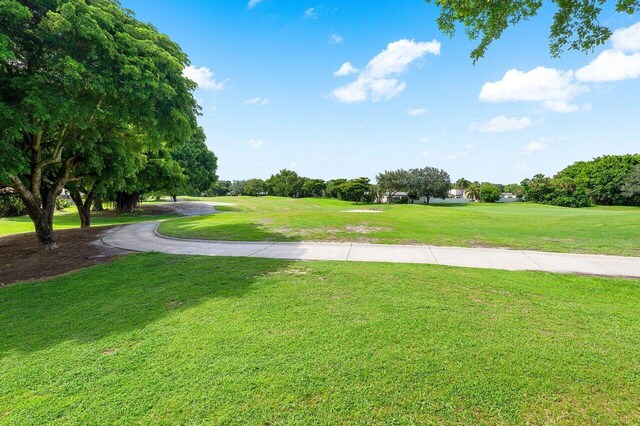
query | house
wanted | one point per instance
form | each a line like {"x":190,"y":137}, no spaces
{"x":395,"y":198}
{"x":456,"y":193}
{"x":508,"y":197}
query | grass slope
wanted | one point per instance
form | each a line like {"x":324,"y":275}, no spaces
{"x":158,"y":339}
{"x":69,"y":219}
{"x":602,"y":230}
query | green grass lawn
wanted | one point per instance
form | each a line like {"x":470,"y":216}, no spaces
{"x":69,"y":219}
{"x":159,"y":339}
{"x":603,"y":230}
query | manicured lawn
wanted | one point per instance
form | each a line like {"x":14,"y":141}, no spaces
{"x":69,"y":219}
{"x":158,"y":339}
{"x":602,"y":230}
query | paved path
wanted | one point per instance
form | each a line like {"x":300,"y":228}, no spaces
{"x":142,"y":237}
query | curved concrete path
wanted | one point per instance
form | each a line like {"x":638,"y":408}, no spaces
{"x":143,"y":237}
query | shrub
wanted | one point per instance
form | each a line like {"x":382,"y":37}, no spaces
{"x":489,"y":193}
{"x":62,"y":204}
{"x":11,"y":206}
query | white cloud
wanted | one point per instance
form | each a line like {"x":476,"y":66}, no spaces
{"x":258,"y":101}
{"x":310,"y":13}
{"x":622,"y":62}
{"x":253,"y":3}
{"x":416,"y":111}
{"x":549,"y":86}
{"x":337,"y":39}
{"x":425,"y":139}
{"x":627,"y":39}
{"x":531,"y":147}
{"x":345,"y":69}
{"x":373,"y":83}
{"x":501,"y":124}
{"x":203,"y":77}
{"x":426,"y":153}
{"x":255,"y":143}
{"x":611,"y":65}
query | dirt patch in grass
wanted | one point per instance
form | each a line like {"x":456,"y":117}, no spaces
{"x":365,"y":229}
{"x":21,"y":260}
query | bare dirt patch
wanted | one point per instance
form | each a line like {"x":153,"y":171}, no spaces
{"x":364,"y":229}
{"x":21,"y":260}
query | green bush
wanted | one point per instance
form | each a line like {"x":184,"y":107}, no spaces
{"x":489,"y":193}
{"x":11,"y":206}
{"x":62,"y":204}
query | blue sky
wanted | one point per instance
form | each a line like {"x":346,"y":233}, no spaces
{"x":270,"y":98}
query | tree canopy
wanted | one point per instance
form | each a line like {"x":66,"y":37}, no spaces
{"x":576,"y":23}
{"x":80,"y":78}
{"x":429,"y":182}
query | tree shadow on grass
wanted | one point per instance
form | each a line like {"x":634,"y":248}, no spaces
{"x":119,"y":297}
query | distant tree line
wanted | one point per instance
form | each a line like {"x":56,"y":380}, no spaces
{"x":608,"y":180}
{"x":287,"y":183}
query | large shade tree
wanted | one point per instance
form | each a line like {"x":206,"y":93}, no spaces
{"x":576,"y":23}
{"x":392,"y":182}
{"x":429,"y":182}
{"x":69,"y":68}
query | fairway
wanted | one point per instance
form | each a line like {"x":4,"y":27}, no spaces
{"x":595,"y":230}
{"x":167,"y":340}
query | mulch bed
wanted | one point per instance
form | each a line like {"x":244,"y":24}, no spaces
{"x":21,"y":260}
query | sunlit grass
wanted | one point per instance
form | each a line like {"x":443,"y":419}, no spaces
{"x":602,"y":230}
{"x":173,"y":340}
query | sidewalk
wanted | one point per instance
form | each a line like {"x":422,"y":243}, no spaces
{"x":142,"y":237}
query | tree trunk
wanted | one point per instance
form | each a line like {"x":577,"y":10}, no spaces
{"x":174,"y":198}
{"x":428,"y":199}
{"x":38,"y":193}
{"x":125,"y":203}
{"x":42,"y":218}
{"x":44,"y":232}
{"x":84,"y":207}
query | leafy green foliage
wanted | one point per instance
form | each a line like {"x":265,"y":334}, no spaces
{"x":254,"y":187}
{"x":334,"y":188}
{"x":356,"y":190}
{"x":86,"y":89}
{"x":198,"y":163}
{"x":220,"y":188}
{"x":314,"y":188}
{"x":489,"y":193}
{"x":576,"y":24}
{"x":558,"y":192}
{"x":285,"y":183}
{"x":631,"y":186}
{"x":11,"y":206}
{"x":429,"y":182}
{"x":393,"y":181}
{"x":603,"y":178}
